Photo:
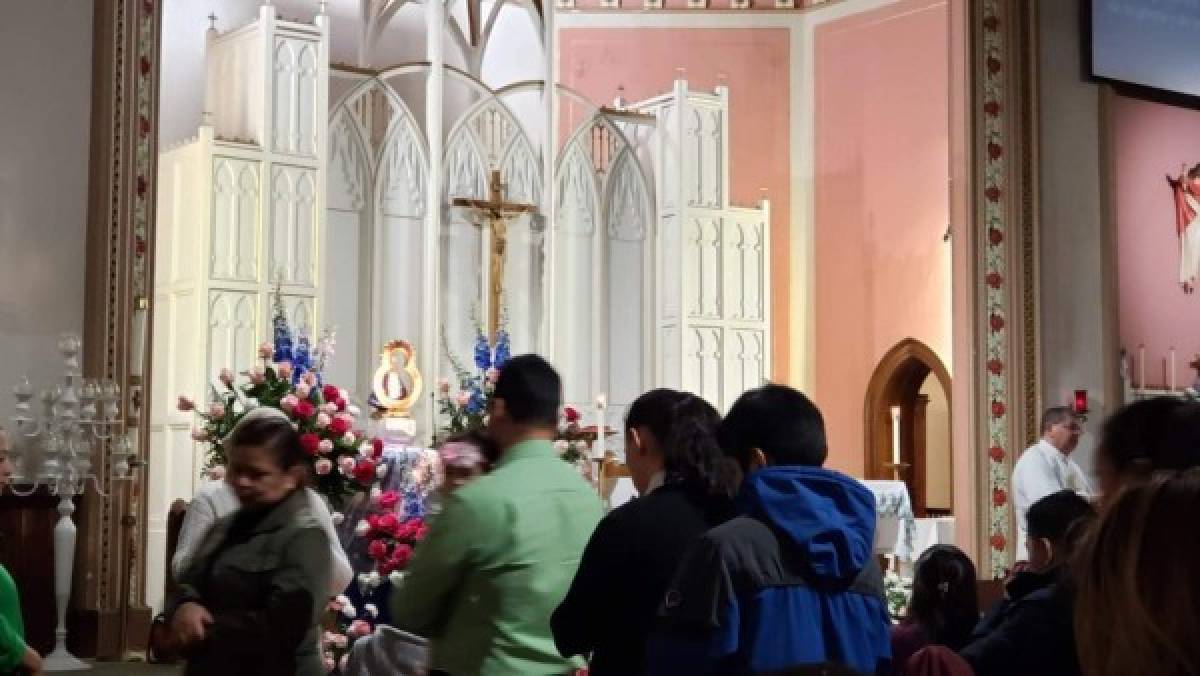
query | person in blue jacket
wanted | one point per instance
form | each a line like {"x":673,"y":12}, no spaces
{"x":790,"y":583}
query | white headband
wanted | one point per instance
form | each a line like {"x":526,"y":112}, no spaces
{"x":259,"y":413}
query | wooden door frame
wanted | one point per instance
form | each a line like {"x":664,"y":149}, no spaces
{"x":904,"y":367}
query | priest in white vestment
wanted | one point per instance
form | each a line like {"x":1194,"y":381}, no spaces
{"x":1046,"y":467}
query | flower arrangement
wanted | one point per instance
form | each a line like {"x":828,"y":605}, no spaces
{"x":466,"y":409}
{"x":573,"y":443}
{"x":897,"y":593}
{"x":342,"y":460}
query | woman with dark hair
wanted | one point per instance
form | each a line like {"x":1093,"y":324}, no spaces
{"x":679,"y":471}
{"x":250,"y":602}
{"x":1147,"y":436}
{"x":944,"y":607}
{"x":1137,"y":603}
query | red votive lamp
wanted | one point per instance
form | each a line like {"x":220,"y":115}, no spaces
{"x":1080,"y":405}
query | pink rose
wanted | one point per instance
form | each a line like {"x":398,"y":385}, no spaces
{"x":329,"y":408}
{"x":217,"y":472}
{"x":310,"y":379}
{"x":443,"y":386}
{"x":216,"y":410}
{"x":340,"y":641}
{"x":226,"y":377}
{"x":288,"y":403}
{"x":325,"y":447}
{"x":330,"y":665}
{"x":184,"y":404}
{"x":346,"y":465}
{"x":265,"y":350}
{"x":199,"y":435}
{"x":349,"y":439}
{"x":284,"y":370}
{"x":258,"y":376}
{"x":303,"y":390}
{"x":463,"y":399}
{"x":323,"y":466}
{"x":388,"y":500}
{"x":323,"y":421}
{"x":359,"y":628}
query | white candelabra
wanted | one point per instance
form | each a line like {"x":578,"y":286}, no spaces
{"x":55,"y":450}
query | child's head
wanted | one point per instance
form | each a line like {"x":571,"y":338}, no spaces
{"x":1053,"y":528}
{"x":463,"y":458}
{"x":944,"y":599}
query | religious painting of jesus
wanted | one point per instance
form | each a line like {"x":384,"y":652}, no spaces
{"x":1187,"y":224}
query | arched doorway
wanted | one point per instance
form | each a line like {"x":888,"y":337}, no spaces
{"x":908,"y":401}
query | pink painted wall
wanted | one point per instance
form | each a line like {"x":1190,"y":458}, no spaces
{"x":754,"y":63}
{"x":882,"y":152}
{"x":1151,"y":140}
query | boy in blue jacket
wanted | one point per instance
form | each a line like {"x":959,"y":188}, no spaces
{"x":791,"y":582}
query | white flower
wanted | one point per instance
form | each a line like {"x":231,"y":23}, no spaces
{"x":371,"y":610}
{"x":375,"y":493}
{"x":354,"y":410}
{"x":349,"y":612}
{"x":561,"y":446}
{"x":342,"y":599}
{"x":362,"y":528}
{"x":344,"y":394}
{"x":348,"y":438}
{"x":338,"y":518}
{"x":323,"y":420}
{"x":374,"y":578}
{"x":251,"y":403}
{"x":396,"y":578}
{"x":365,"y":449}
{"x":381,"y":470}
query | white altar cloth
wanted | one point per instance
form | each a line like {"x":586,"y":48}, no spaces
{"x":894,"y":509}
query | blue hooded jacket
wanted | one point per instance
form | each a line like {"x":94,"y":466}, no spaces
{"x":791,"y":582}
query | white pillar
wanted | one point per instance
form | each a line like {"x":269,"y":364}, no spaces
{"x":435,"y":31}
{"x":549,"y":184}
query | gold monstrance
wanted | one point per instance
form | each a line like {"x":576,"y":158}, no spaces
{"x":494,"y":212}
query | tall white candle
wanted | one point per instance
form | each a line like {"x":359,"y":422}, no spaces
{"x":896,"y":440}
{"x":598,"y":448}
{"x":1172,"y":368}
{"x":1142,"y":366}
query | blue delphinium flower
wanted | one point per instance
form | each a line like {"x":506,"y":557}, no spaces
{"x":503,"y":349}
{"x":301,"y":357}
{"x":483,"y":353}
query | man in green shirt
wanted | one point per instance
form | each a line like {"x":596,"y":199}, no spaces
{"x":13,"y":650}
{"x":501,"y":555}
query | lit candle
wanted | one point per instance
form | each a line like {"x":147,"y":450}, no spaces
{"x":1142,"y":366}
{"x":896,"y":440}
{"x":1172,"y":368}
{"x":598,"y":449}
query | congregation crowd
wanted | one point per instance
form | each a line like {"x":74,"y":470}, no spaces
{"x":742,"y":554}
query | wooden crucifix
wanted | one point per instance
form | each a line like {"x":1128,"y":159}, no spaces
{"x":494,"y":212}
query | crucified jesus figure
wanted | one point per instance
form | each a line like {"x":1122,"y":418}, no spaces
{"x":494,"y":212}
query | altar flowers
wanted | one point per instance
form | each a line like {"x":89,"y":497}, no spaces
{"x":320,"y":412}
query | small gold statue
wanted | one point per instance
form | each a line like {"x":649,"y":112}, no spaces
{"x":397,"y":384}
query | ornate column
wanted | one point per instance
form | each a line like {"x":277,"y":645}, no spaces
{"x":110,"y":617}
{"x":435,"y":32}
{"x":1005,"y":368}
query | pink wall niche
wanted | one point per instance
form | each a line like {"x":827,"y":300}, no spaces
{"x":754,"y":63}
{"x":1151,"y":140}
{"x":882,"y":269}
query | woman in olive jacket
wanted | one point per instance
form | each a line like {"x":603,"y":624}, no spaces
{"x":251,"y":601}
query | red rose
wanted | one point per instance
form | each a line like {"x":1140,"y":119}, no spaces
{"x":422,"y":532}
{"x":999,"y":497}
{"x":339,"y":426}
{"x":330,"y":393}
{"x":998,"y":542}
{"x":992,"y":194}
{"x":571,"y":414}
{"x":385,"y":568}
{"x":378,"y":550}
{"x":388,"y":523}
{"x":341,"y":404}
{"x":996,"y":453}
{"x":992,"y":108}
{"x":998,"y":409}
{"x":377,"y":447}
{"x":995,"y":367}
{"x":995,"y":237}
{"x":310,"y":442}
{"x":364,"y":472}
{"x":997,"y":322}
{"x":389,"y":500}
{"x":304,"y":409}
{"x":995,"y":150}
{"x":994,"y":280}
{"x":373,"y":521}
{"x":401,"y":555}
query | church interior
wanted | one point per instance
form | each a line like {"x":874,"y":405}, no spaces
{"x":935,"y":218}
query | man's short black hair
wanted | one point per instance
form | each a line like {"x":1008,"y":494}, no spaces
{"x":531,"y":390}
{"x":1052,"y":516}
{"x":779,"y":421}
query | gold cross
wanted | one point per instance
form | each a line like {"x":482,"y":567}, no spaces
{"x":494,"y":212}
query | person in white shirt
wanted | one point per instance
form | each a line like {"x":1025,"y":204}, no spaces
{"x":1046,"y":467}
{"x":217,"y":499}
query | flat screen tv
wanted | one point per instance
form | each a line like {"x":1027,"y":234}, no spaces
{"x":1151,"y":43}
